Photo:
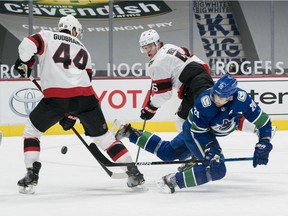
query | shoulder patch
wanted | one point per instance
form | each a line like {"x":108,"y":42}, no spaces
{"x":171,"y":51}
{"x":150,"y":63}
{"x":242,"y":96}
{"x":206,"y":101}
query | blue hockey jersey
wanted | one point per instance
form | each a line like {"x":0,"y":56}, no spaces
{"x":207,"y":120}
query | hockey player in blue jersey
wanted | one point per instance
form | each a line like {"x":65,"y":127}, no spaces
{"x":216,"y":112}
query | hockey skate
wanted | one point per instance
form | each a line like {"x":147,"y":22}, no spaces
{"x":125,"y":130}
{"x":28,"y":183}
{"x":135,"y":179}
{"x":187,"y":165}
{"x":167,"y":184}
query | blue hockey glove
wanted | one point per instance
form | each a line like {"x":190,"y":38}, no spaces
{"x":68,"y":121}
{"x":212,"y":154}
{"x":261,"y":153}
{"x":148,"y":111}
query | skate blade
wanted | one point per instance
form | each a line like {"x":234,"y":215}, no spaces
{"x":162,"y":187}
{"x":140,"y":188}
{"x":27,"y":190}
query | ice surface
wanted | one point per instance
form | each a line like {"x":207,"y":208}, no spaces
{"x":75,"y":184}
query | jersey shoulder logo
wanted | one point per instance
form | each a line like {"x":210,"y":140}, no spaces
{"x":206,"y":101}
{"x":242,"y":96}
{"x":171,"y":51}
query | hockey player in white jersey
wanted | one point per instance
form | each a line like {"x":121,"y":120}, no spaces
{"x":65,"y":74}
{"x":215,"y":113}
{"x":171,"y":66}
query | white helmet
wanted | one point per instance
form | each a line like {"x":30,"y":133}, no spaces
{"x":68,"y":23}
{"x":148,"y":37}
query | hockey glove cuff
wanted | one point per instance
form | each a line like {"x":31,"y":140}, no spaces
{"x":212,"y":154}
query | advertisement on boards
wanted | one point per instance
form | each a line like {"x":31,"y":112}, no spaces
{"x":130,"y":19}
{"x":124,"y":98}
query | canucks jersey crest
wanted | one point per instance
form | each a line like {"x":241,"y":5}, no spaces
{"x":225,"y":127}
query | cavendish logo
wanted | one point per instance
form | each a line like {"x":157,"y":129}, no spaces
{"x":23,"y":101}
{"x":86,"y":9}
{"x":71,"y":2}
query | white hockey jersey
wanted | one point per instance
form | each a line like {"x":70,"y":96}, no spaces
{"x":64,"y":63}
{"x":165,"y":68}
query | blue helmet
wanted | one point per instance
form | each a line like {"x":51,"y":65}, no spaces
{"x":225,"y":86}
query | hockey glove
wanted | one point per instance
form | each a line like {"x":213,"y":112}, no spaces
{"x":212,"y":154}
{"x":24,"y":68}
{"x":68,"y":121}
{"x":261,"y":153}
{"x":148,"y":111}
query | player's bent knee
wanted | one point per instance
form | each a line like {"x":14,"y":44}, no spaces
{"x":218,"y":172}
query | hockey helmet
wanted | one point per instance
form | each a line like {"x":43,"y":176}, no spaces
{"x":225,"y":87}
{"x":148,"y":37}
{"x":68,"y":23}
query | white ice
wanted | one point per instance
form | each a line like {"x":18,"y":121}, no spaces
{"x":75,"y":184}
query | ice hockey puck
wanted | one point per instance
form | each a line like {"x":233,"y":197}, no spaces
{"x":64,"y":150}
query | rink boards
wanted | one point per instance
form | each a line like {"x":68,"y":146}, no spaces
{"x":123,"y":99}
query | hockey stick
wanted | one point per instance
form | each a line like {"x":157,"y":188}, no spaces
{"x":144,"y":123}
{"x":138,"y":151}
{"x":105,"y":161}
{"x":109,"y":172}
{"x":35,"y":82}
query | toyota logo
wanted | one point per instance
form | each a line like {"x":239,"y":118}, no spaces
{"x":23,"y":101}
